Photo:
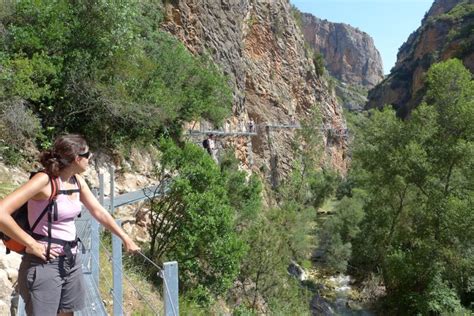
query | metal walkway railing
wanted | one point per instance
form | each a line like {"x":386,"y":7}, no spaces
{"x":88,"y":231}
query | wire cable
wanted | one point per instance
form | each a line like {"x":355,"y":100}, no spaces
{"x":111,"y":288}
{"x":150,"y":261}
{"x":161,"y":274}
{"x":142,"y":296}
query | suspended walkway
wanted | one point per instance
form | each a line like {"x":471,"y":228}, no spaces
{"x":88,"y":229}
{"x":255,"y":130}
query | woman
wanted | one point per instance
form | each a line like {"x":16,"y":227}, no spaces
{"x":50,"y":278}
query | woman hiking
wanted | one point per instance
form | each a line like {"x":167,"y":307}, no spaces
{"x":50,"y":278}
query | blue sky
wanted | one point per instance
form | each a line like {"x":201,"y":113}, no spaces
{"x":388,"y":22}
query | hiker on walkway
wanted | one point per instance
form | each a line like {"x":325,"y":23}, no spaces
{"x":50,"y":277}
{"x":210,"y":145}
{"x":251,"y":126}
{"x":241,"y":125}
{"x":292,"y":120}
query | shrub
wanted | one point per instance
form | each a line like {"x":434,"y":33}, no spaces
{"x":193,"y":223}
{"x":18,"y":124}
{"x":318,"y":62}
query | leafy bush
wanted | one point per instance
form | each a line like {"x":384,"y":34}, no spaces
{"x":263,"y":275}
{"x":194,"y":222}
{"x":318,"y":62}
{"x":17,"y":123}
{"x":339,"y":231}
{"x":244,"y":191}
{"x":460,"y":11}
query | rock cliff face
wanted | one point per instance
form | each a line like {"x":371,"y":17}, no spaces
{"x":446,"y":32}
{"x":349,"y":54}
{"x":260,"y":47}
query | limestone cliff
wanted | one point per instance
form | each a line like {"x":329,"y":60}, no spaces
{"x":349,"y":54}
{"x":260,"y":47}
{"x":446,"y":32}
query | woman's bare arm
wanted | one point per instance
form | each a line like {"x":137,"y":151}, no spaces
{"x":36,"y":187}
{"x":101,"y":214}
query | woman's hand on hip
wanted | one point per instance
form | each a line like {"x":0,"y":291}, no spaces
{"x":39,"y":250}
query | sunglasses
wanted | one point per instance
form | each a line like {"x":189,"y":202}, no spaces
{"x":86,"y":155}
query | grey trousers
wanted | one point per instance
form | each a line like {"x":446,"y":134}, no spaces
{"x":51,"y":287}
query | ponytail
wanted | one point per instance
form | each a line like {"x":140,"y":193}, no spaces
{"x":64,"y":151}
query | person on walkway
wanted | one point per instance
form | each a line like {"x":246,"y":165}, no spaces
{"x":227,"y":126}
{"x":241,"y":125}
{"x":251,"y":126}
{"x":292,"y":120}
{"x":50,"y":278}
{"x":207,"y":143}
{"x":213,"y":148}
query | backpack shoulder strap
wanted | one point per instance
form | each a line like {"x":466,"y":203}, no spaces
{"x":52,"y":198}
{"x":71,"y":191}
{"x":77,"y":182}
{"x":52,"y":180}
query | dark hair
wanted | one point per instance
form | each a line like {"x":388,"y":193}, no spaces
{"x":62,"y":154}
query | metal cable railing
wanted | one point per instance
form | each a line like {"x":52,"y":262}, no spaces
{"x":142,"y":296}
{"x":160,"y":274}
{"x":169,"y":273}
{"x":106,"y":280}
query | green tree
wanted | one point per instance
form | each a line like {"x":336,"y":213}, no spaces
{"x":284,"y":233}
{"x":418,"y":178}
{"x":193,"y":222}
{"x":311,"y":181}
{"x":306,"y":187}
{"x":244,"y":191}
{"x":263,"y":273}
{"x":340,"y":230}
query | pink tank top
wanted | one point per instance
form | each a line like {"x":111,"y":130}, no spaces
{"x":64,"y":228}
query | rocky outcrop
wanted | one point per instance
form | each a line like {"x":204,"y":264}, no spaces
{"x":349,"y":54}
{"x":9,"y":265}
{"x":445,"y":32}
{"x":261,"y":49}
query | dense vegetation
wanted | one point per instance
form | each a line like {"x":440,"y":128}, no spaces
{"x":101,"y":70}
{"x":284,"y":232}
{"x":404,"y":211}
{"x":408,"y":215}
{"x":228,"y":245}
{"x":109,"y":73}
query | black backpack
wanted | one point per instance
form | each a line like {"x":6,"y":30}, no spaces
{"x":205,"y":143}
{"x":21,"y":218}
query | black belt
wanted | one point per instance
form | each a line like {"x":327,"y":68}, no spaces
{"x":67,"y":245}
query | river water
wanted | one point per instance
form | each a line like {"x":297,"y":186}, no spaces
{"x":343,"y":305}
